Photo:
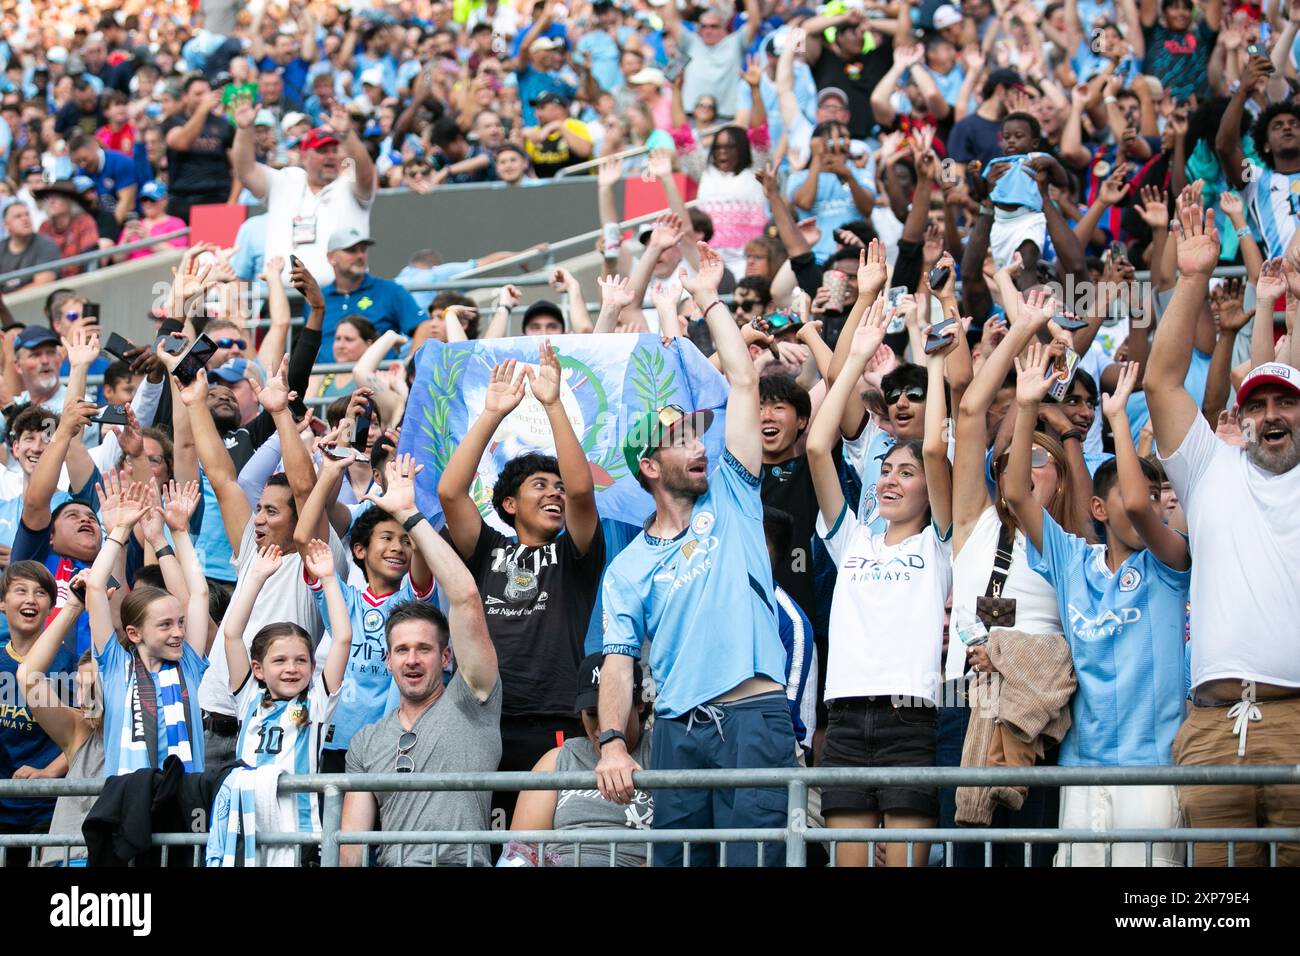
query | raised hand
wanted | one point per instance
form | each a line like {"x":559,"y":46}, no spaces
{"x":609,"y":172}
{"x":196,"y":392}
{"x":1233,"y":208}
{"x":150,"y":526}
{"x":545,"y":382}
{"x":505,"y":391}
{"x":272,"y":269}
{"x":615,"y":292}
{"x":109,"y":492}
{"x":275,"y":395}
{"x":307,"y":286}
{"x":399,"y":497}
{"x":1154,"y":207}
{"x":869,"y":335}
{"x":1115,"y":404}
{"x":873,"y":272}
{"x":319,"y":560}
{"x":1271,"y":284}
{"x":134,"y":503}
{"x":244,"y":111}
{"x":767,"y":178}
{"x":1227,"y":305}
{"x":1198,"y":240}
{"x":948,"y":290}
{"x":1037,"y":307}
{"x":82,"y":347}
{"x":268,"y":561}
{"x":1032,"y":381}
{"x":709,"y":276}
{"x":667,"y":232}
{"x":1114,"y":188}
{"x":179,"y":504}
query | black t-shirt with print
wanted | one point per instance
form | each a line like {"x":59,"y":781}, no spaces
{"x":857,"y":77}
{"x":538,"y":603}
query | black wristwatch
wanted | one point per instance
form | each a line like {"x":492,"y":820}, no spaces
{"x":608,"y":735}
{"x":1072,"y":433}
{"x":410,"y":523}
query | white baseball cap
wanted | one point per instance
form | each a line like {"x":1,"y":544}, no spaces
{"x":1270,"y":373}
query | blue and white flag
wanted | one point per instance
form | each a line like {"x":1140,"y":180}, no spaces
{"x":608,"y":382}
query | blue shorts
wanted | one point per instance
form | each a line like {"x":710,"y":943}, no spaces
{"x":754,"y":732}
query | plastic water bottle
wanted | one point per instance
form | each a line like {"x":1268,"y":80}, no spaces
{"x":970,"y":629}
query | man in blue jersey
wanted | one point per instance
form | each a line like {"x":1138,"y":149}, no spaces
{"x":1268,"y":187}
{"x":382,"y":548}
{"x":1122,"y":605}
{"x":697,"y":583}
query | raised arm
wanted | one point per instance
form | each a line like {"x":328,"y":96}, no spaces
{"x":45,"y":476}
{"x":1227,"y":142}
{"x":505,"y":392}
{"x":217,"y":466}
{"x":744,"y":439}
{"x":126,"y":509}
{"x":824,"y":431}
{"x":938,"y":474}
{"x":272,"y":348}
{"x":1273,"y":281}
{"x":242,"y":154}
{"x":178,"y":507}
{"x":1135,"y":490}
{"x":319,"y":562}
{"x":476,"y":658}
{"x":60,"y":720}
{"x":580,"y":517}
{"x":1173,"y":410}
{"x":1032,"y":385}
{"x":241,"y":607}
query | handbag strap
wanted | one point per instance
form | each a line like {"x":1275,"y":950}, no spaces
{"x":1001,"y":561}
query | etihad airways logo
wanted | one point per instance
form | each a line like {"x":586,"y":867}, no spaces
{"x":898,"y":567}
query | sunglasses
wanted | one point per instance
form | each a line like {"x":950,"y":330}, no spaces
{"x":232,"y":343}
{"x":782,"y":321}
{"x":1038,"y":458}
{"x":405,"y":763}
{"x":914,"y":393}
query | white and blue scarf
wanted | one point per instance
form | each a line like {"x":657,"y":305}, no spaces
{"x":139,"y":744}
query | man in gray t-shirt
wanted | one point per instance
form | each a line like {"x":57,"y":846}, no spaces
{"x":716,"y":55}
{"x":436,"y":728}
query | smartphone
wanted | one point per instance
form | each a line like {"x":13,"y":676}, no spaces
{"x":1118,"y":251}
{"x":341,"y":452}
{"x":674,"y":69}
{"x":837,"y":284}
{"x":90,"y":311}
{"x":1068,"y":362}
{"x":170,"y":344}
{"x":197,"y":357}
{"x":939,"y":335}
{"x":317,"y":427}
{"x":1069,"y":321}
{"x":110,"y":415}
{"x":938,"y":276}
{"x":898,"y":322}
{"x":295,"y":262}
{"x":118,"y":346}
{"x":1256,"y":50}
{"x":361,"y":431}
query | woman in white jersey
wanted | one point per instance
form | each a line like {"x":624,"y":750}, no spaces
{"x":980,"y":520}
{"x":283,"y":707}
{"x":887,"y":615}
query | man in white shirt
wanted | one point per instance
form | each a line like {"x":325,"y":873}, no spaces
{"x":1245,"y":535}
{"x":307,"y":204}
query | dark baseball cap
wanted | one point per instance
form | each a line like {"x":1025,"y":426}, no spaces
{"x":550,"y":96}
{"x":542,"y":308}
{"x":589,"y":682}
{"x":33,"y":337}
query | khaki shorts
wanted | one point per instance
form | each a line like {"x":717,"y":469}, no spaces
{"x":1206,"y":737}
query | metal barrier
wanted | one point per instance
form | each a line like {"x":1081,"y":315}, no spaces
{"x":794,"y":836}
{"x":628,"y":153}
{"x":93,"y":255}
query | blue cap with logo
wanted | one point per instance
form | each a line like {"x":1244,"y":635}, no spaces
{"x":232,"y":371}
{"x":83,"y":184}
{"x":153,"y":191}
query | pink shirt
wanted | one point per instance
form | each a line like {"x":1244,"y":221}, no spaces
{"x":168,"y":224}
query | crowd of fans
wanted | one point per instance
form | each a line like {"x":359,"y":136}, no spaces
{"x":986,"y":496}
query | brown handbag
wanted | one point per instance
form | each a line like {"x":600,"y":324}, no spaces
{"x":991,"y":607}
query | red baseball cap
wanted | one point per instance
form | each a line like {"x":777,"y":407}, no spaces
{"x":319,"y":137}
{"x":1270,"y":373}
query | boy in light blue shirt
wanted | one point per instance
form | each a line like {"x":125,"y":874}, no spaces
{"x":1123,"y":608}
{"x":1018,"y":221}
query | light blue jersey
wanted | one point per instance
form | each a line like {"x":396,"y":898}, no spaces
{"x":275,"y":735}
{"x":212,"y":545}
{"x":866,"y":453}
{"x":366,"y":681}
{"x":115,"y":669}
{"x":1016,"y":187}
{"x":703,"y":598}
{"x":1126,"y":634}
{"x":1273,"y":205}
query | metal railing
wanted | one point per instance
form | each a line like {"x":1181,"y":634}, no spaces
{"x":794,"y":837}
{"x":629,"y":153}
{"x":93,"y":255}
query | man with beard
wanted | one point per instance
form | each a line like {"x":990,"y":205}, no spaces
{"x":1269,"y":191}
{"x":1245,"y":535}
{"x":539,"y":585}
{"x":37,"y":360}
{"x":697,"y":583}
{"x":307,"y":204}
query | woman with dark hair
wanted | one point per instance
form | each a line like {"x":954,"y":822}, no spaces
{"x":351,"y":339}
{"x":729,"y":191}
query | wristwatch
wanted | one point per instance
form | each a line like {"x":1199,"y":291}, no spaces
{"x":1072,"y":433}
{"x":608,"y":735}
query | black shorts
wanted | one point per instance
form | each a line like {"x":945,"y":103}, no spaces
{"x":872,"y":732}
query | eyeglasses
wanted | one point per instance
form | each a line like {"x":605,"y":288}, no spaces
{"x":914,"y":393}
{"x":232,"y":344}
{"x":405,"y":763}
{"x":1038,"y":457}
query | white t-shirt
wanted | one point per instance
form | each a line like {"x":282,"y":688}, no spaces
{"x":1037,"y":611}
{"x":291,"y":205}
{"x":1244,"y":526}
{"x":886,"y":628}
{"x":284,"y":597}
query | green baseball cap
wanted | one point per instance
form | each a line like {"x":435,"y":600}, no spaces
{"x":650,"y":431}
